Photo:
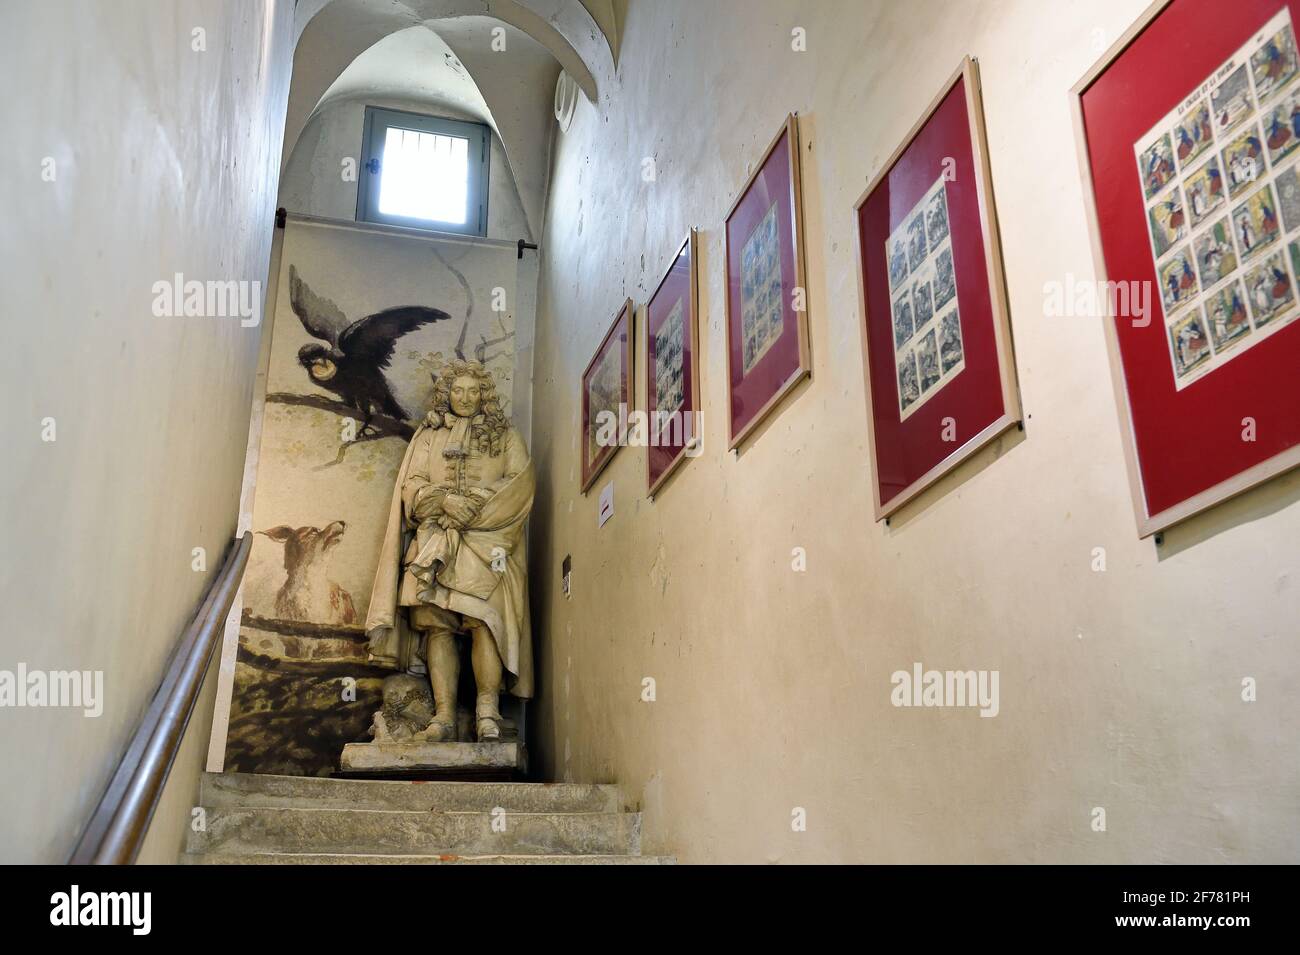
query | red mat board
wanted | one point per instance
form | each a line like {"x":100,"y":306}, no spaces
{"x":1188,"y":446}
{"x":767,"y":215}
{"x":914,"y":447}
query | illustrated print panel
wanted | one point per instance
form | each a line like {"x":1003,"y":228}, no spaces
{"x":762,"y":312}
{"x":923,"y":294}
{"x":1220,"y":176}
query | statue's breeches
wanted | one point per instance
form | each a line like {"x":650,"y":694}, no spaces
{"x":430,"y":617}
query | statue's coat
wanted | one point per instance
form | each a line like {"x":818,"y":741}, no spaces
{"x":453,"y":569}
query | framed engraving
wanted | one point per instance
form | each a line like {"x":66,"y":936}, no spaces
{"x":767,"y":314}
{"x":936,"y":340}
{"x":1189,"y":143}
{"x":672,"y":367}
{"x":607,"y":396}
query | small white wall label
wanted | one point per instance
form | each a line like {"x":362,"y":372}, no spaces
{"x":606,"y":504}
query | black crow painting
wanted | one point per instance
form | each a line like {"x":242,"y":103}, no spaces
{"x":352,"y":365}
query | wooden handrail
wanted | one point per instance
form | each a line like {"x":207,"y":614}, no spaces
{"x":116,"y":831}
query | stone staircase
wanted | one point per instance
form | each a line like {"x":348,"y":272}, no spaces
{"x":304,"y":820}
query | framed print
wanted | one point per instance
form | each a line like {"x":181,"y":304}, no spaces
{"x":1189,"y":139}
{"x":936,"y":340}
{"x":606,"y":396}
{"x":767,"y":315}
{"x":672,"y":345}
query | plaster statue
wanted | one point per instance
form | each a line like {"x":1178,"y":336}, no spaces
{"x":407,"y":709}
{"x":452,"y":562}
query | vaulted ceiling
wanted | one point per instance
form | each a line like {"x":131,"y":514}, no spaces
{"x":515,"y":85}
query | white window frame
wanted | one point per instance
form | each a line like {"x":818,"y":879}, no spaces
{"x":377,"y":123}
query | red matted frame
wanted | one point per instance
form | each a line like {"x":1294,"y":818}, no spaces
{"x":618,"y":337}
{"x":680,"y":283}
{"x":753,"y":395}
{"x":982,"y":400}
{"x":1184,"y":449}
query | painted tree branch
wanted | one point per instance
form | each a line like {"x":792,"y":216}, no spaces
{"x":384,"y":425}
{"x":381,"y":425}
{"x":469,"y":302}
{"x":343,"y":448}
{"x":481,"y":349}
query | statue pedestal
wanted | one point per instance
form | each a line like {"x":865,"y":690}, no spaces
{"x":505,"y":759}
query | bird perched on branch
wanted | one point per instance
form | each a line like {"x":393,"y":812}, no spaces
{"x":353,"y":365}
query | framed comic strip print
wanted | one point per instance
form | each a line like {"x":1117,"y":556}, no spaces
{"x":607,"y":396}
{"x":672,"y":344}
{"x":767,"y":315}
{"x":1189,"y":137}
{"x":936,"y":341}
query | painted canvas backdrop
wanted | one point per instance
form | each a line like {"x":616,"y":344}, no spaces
{"x":321,"y":501}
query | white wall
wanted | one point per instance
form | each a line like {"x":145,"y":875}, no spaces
{"x":165,"y":161}
{"x":1119,"y":689}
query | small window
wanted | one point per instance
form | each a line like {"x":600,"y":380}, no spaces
{"x":423,"y":172}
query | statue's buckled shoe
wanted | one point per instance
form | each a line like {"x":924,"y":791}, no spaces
{"x":440,"y":731}
{"x":488,"y":726}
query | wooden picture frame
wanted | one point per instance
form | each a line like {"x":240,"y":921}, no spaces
{"x":662,"y":461}
{"x":1159,"y":500}
{"x":908,"y":447}
{"x":617,"y":344}
{"x":759,"y":381}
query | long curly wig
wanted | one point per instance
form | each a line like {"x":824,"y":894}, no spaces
{"x":488,"y":431}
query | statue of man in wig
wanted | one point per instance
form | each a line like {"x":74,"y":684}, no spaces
{"x":452,"y":564}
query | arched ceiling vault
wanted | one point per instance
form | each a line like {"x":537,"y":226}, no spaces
{"x":333,"y":33}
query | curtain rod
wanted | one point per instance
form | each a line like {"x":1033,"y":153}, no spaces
{"x":374,"y":228}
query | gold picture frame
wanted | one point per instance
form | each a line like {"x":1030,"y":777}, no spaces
{"x":1148,"y":523}
{"x":592,"y":469}
{"x":789,"y":128}
{"x":691,"y":245}
{"x":968,"y":73}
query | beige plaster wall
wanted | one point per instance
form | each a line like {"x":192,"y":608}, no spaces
{"x":165,"y":161}
{"x":1119,"y":689}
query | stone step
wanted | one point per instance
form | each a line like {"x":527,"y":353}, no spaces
{"x":356,"y":858}
{"x":387,"y":832}
{"x":251,"y":790}
{"x":382,"y":759}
